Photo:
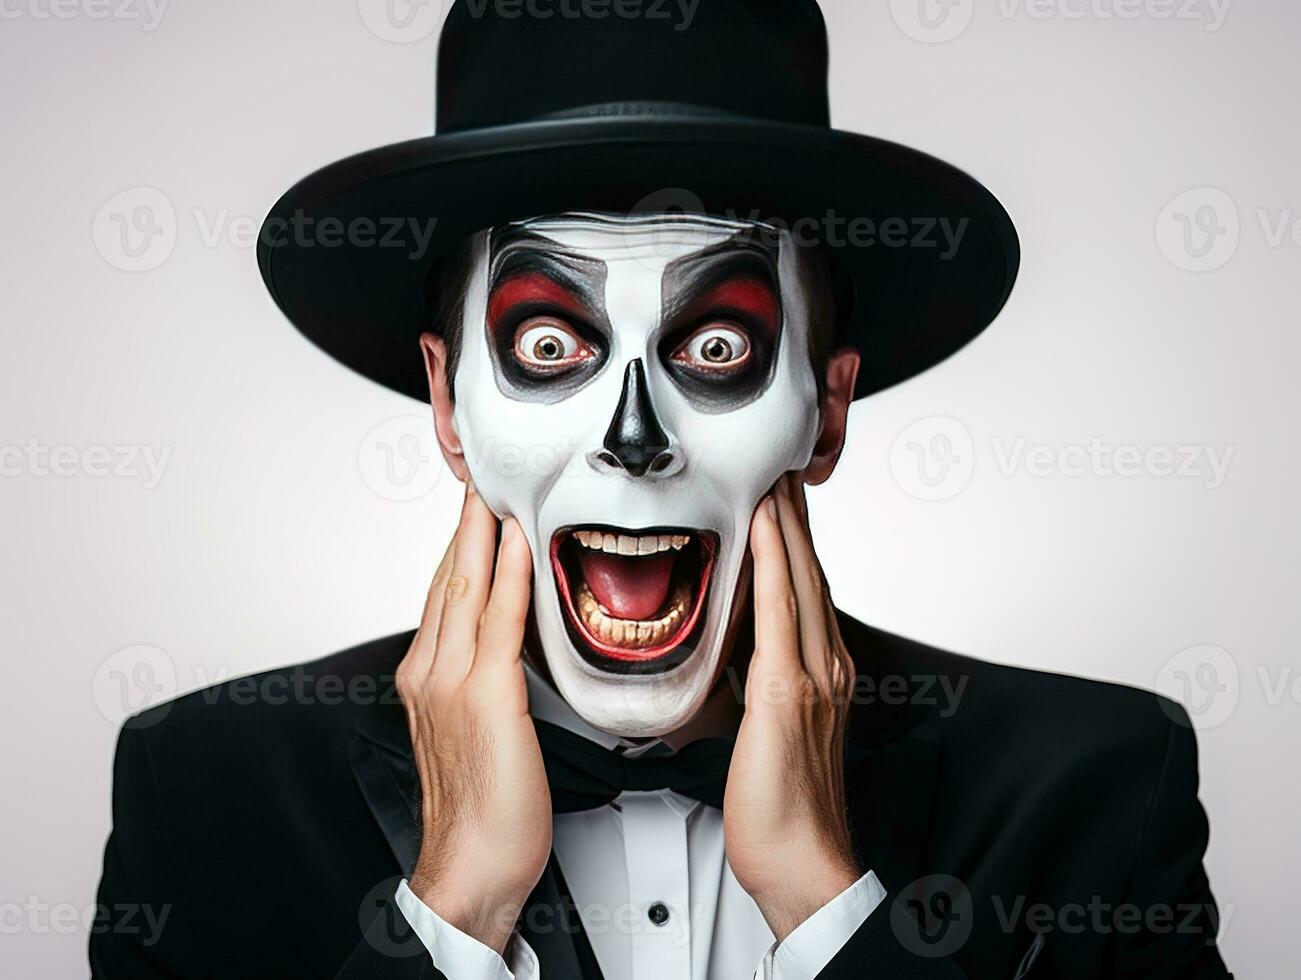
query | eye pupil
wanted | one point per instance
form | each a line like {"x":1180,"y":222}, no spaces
{"x":548,"y":349}
{"x":717,"y":349}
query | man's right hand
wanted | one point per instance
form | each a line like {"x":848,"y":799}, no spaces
{"x":485,"y":805}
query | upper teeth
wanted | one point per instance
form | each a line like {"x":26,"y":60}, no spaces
{"x":631,"y":544}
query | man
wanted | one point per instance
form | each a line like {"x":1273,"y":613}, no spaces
{"x":632,"y":737}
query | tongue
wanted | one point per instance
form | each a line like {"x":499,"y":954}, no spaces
{"x":631,"y":588}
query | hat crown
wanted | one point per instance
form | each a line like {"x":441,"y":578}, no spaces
{"x":511,"y":61}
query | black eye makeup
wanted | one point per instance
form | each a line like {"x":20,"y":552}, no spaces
{"x":546,"y":329}
{"x":723,"y":324}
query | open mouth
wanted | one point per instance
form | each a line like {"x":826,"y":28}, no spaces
{"x":633,"y":599}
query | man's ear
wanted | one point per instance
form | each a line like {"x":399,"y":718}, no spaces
{"x":440,"y":398}
{"x":837,"y":395}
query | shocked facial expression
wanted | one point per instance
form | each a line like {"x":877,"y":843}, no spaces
{"x":628,"y":389}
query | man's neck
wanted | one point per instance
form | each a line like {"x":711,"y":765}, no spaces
{"x":719,"y":717}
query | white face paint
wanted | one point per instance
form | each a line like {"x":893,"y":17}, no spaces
{"x":562,"y":315}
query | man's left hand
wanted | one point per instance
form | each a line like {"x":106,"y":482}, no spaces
{"x":784,"y":821}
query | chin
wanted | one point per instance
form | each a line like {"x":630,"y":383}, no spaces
{"x":632,"y":621}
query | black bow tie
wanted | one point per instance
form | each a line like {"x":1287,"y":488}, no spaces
{"x":584,"y":776}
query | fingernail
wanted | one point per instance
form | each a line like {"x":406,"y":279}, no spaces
{"x":770,"y":507}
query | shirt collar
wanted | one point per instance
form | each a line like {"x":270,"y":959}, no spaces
{"x":546,"y":704}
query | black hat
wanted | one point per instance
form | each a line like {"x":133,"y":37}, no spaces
{"x":549,"y":106}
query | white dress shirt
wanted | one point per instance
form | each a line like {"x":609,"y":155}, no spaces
{"x":627,"y":865}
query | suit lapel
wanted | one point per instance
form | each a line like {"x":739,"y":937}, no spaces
{"x":892,"y":791}
{"x":892,"y":758}
{"x":380,"y":753}
{"x":550,"y":924}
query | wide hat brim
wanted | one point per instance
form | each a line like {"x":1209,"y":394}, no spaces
{"x":931,"y":254}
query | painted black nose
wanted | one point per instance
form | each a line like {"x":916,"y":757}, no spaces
{"x":635,"y":440}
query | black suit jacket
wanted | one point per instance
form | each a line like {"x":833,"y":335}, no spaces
{"x":1027,"y":825}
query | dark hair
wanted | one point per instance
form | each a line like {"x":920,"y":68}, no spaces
{"x":449,"y":281}
{"x":830,"y":302}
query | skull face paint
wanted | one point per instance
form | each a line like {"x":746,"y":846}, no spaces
{"x":628,"y":389}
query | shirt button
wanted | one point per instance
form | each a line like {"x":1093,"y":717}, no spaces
{"x":658,"y":913}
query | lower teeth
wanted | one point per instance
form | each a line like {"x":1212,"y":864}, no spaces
{"x":632,"y":633}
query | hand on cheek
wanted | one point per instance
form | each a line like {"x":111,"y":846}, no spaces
{"x":784,"y":820}
{"x":485,"y":804}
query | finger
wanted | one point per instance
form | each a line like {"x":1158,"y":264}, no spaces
{"x":420,"y":656}
{"x":776,"y":616}
{"x":816,"y":646}
{"x":466,"y":590}
{"x":501,"y":631}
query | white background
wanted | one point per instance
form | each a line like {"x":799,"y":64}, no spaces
{"x":265,"y":541}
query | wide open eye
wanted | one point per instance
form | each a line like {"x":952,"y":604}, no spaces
{"x":719,"y":347}
{"x":548,"y":345}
